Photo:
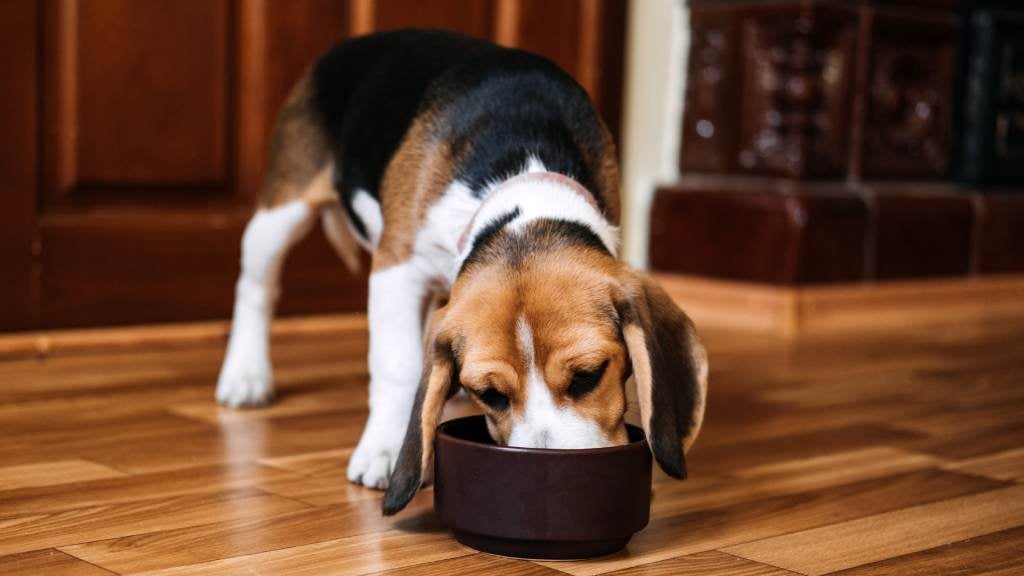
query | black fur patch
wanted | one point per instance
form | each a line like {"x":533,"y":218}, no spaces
{"x":407,"y":476}
{"x":495,"y":107}
{"x":495,"y":244}
{"x":673,"y":374}
{"x":673,"y":395}
{"x":569,"y":233}
{"x":486,"y":236}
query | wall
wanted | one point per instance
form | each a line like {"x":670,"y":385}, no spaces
{"x":657,"y":49}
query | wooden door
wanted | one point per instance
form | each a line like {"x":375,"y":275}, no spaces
{"x":136,"y":132}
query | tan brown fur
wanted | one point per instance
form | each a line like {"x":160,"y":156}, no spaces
{"x":654,"y":313}
{"x":607,"y":177}
{"x":699,"y":358}
{"x":420,"y":173}
{"x":433,"y":402}
{"x":664,"y":308}
{"x":416,"y":177}
{"x":299,"y":161}
{"x":564,"y":296}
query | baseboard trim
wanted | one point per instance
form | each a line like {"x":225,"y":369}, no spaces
{"x":43,"y":344}
{"x":796,"y":311}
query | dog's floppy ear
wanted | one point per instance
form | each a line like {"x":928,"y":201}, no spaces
{"x":438,"y":382}
{"x":670,"y":369}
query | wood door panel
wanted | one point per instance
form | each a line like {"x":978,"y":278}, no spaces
{"x":585,"y":37}
{"x":549,"y":28}
{"x":115,"y":268}
{"x":155,"y":151}
{"x":473,"y":17}
{"x":300,"y":33}
{"x":167,"y":267}
{"x":139,"y":92}
{"x":140,"y":133}
{"x":277,"y":42}
{"x":19,"y":35}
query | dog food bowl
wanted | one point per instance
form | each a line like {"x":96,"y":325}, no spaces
{"x":539,"y":503}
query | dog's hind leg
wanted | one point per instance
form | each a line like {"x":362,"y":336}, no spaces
{"x":297,"y":188}
{"x":245,"y":377}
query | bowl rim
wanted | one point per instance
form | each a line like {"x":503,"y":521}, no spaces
{"x":442,"y":433}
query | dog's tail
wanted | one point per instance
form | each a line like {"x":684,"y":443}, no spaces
{"x":322,"y":198}
{"x":341,"y":236}
{"x":300,"y":166}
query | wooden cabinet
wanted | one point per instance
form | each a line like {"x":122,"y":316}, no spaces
{"x":136,"y":132}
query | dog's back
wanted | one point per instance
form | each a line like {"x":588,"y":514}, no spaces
{"x":497,"y":107}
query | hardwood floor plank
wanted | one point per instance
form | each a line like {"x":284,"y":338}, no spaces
{"x":49,"y":563}
{"x":20,"y":534}
{"x":719,"y":459}
{"x":60,"y":441}
{"x":712,"y":563}
{"x":89,"y":408}
{"x":236,"y":442}
{"x":113,"y":372}
{"x":882,"y":445}
{"x":474,"y":564}
{"x":32,"y":379}
{"x":219,"y":540}
{"x":355,"y":556}
{"x":970,"y":444}
{"x":348,"y":394}
{"x":889,"y":534}
{"x":53,"y":473}
{"x":321,"y":490}
{"x":1005,"y":465}
{"x":778,"y":479}
{"x":997,"y":554}
{"x":716,"y":528}
{"x":746,"y":419}
{"x":120,"y":490}
{"x":944,"y":422}
{"x":323,"y":463}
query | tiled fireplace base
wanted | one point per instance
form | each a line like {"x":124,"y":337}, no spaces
{"x":787,"y":233}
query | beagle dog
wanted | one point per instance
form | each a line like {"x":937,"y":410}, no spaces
{"x":485,"y":186}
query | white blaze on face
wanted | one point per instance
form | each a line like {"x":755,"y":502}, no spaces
{"x":544,"y":424}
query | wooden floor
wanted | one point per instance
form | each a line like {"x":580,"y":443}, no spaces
{"x":901,"y":454}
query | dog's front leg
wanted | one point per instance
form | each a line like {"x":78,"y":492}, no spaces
{"x":395,"y":311}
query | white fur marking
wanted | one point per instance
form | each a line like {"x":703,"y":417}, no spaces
{"x":397,"y":296}
{"x":245,"y":377}
{"x":368,"y":211}
{"x":533,"y":164}
{"x":536,"y":201}
{"x":437,"y":243}
{"x":396,"y":358}
{"x":544,"y":424}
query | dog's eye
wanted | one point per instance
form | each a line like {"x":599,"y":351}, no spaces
{"x":584,"y":381}
{"x":496,"y":400}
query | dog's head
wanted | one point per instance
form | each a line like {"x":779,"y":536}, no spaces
{"x":542,"y":328}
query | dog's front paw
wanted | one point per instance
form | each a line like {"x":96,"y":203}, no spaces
{"x":245,"y":381}
{"x":374,"y":457}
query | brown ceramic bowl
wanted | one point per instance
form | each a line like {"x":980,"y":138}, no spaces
{"x":539,"y":503}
